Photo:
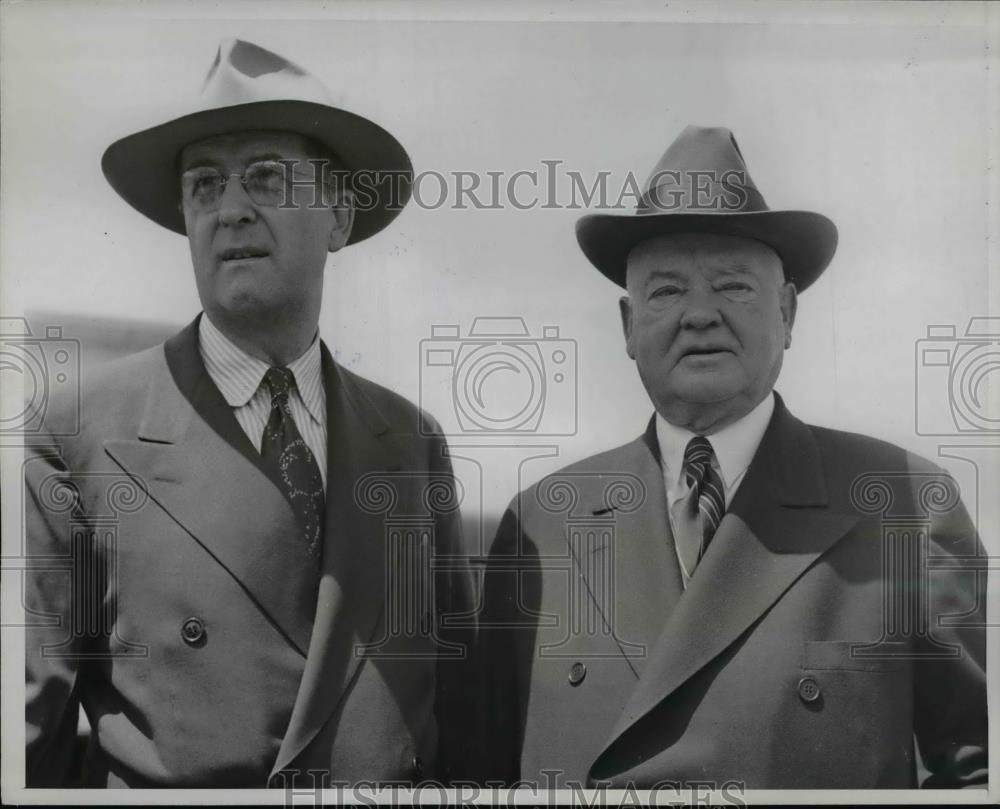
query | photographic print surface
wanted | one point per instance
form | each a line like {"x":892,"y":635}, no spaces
{"x":444,"y":547}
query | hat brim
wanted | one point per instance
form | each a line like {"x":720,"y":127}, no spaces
{"x":804,"y":240}
{"x":144,"y":168}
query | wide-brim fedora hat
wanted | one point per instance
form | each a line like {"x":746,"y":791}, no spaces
{"x":250,"y":88}
{"x":702,"y":185}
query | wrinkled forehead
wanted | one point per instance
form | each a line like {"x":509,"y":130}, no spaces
{"x":240,"y":148}
{"x":689,"y":252}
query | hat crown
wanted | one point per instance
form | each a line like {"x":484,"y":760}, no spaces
{"x":702,"y":171}
{"x":245,"y":73}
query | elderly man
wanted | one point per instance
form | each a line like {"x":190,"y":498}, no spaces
{"x":734,"y":599}
{"x":222,"y":587}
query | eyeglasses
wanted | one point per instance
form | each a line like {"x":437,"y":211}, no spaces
{"x":269,"y":183}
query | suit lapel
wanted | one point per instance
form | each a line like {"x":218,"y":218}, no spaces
{"x":353,"y":586}
{"x":199,"y":466}
{"x":640,"y":555}
{"x":775,"y":528}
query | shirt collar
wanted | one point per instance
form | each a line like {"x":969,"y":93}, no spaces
{"x":238,"y":375}
{"x":734,"y":445}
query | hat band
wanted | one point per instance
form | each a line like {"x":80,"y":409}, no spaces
{"x":707,"y":191}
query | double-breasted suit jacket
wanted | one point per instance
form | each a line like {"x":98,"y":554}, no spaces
{"x":172,"y":596}
{"x":832,"y":636}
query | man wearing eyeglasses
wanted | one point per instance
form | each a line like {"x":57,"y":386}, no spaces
{"x":238,"y":609}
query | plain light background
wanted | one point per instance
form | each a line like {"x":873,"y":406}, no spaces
{"x":878,"y":116}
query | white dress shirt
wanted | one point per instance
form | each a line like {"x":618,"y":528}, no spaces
{"x":239,"y":377}
{"x":734,"y":446}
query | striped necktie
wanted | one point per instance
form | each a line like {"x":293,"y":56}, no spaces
{"x":703,"y":478}
{"x":283,"y":449}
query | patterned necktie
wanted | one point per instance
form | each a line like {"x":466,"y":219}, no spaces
{"x":287,"y":454}
{"x":705,"y":512}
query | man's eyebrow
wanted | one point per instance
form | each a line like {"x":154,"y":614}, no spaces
{"x":736,"y":268}
{"x":200,"y":162}
{"x":660,"y":273}
{"x":254,"y":158}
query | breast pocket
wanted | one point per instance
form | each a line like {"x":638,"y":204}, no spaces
{"x":851,"y":655}
{"x":856,"y":678}
{"x":854,"y":703}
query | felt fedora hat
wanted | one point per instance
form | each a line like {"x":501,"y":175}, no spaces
{"x":701,"y":185}
{"x":250,"y":88}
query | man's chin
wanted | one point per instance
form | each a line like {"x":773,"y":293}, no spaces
{"x":704,"y":389}
{"x":247,"y":304}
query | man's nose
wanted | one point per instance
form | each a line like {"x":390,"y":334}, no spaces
{"x":235,"y":205}
{"x":701,"y":310}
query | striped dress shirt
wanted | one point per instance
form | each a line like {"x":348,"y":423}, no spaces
{"x":239,"y":376}
{"x":734,"y":446}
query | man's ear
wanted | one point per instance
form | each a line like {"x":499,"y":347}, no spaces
{"x":625,"y":307}
{"x":343,"y":213}
{"x":788,"y":301}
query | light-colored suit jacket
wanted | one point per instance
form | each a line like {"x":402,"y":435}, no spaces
{"x":832,"y":636}
{"x":171,"y":595}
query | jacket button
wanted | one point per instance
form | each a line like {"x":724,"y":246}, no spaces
{"x":193,"y":631}
{"x":576,"y":673}
{"x":418,"y":768}
{"x":808,"y":689}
